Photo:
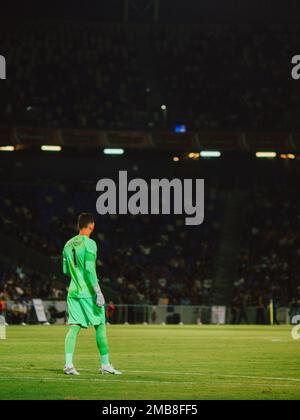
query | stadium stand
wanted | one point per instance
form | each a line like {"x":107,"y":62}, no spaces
{"x":141,"y":264}
{"x":172,"y":261}
{"x":112,"y":87}
{"x":216,"y":80}
{"x":269,"y":263}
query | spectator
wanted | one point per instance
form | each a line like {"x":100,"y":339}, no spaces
{"x":110,"y":312}
{"x":260,"y":310}
{"x":242,"y":307}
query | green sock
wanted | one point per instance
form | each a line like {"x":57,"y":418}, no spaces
{"x":69,"y":359}
{"x":102,"y":345}
{"x":70,"y":343}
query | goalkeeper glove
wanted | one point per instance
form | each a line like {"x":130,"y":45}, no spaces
{"x":100,"y":301}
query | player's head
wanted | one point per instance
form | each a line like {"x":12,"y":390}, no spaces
{"x":86,"y":223}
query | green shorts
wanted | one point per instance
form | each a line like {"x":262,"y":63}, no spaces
{"x":85,"y":312}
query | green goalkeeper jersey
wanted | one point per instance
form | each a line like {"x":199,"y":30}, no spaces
{"x":79,"y":263}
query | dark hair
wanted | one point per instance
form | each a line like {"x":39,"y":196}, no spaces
{"x":84,"y":219}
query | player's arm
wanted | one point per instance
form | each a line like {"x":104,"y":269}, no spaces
{"x":91,"y":274}
{"x":66,"y":270}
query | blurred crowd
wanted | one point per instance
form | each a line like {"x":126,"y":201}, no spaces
{"x":210,"y":77}
{"x":157,"y":259}
{"x":18,"y":286}
{"x":142,"y":264}
{"x":62,"y":75}
{"x":229,"y":76}
{"x":81,"y":75}
{"x":269,"y":264}
{"x":18,"y":283}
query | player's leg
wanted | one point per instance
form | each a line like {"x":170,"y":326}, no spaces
{"x":76,"y":320}
{"x":95,"y":315}
{"x":70,"y":344}
{"x":102,"y":344}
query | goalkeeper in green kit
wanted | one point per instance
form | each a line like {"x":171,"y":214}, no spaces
{"x":86,"y":304}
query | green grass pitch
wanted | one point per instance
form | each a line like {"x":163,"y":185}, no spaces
{"x":158,"y":362}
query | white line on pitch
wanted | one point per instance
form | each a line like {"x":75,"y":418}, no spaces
{"x":176,"y":374}
{"x":31,"y":378}
{"x":216,"y":374}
